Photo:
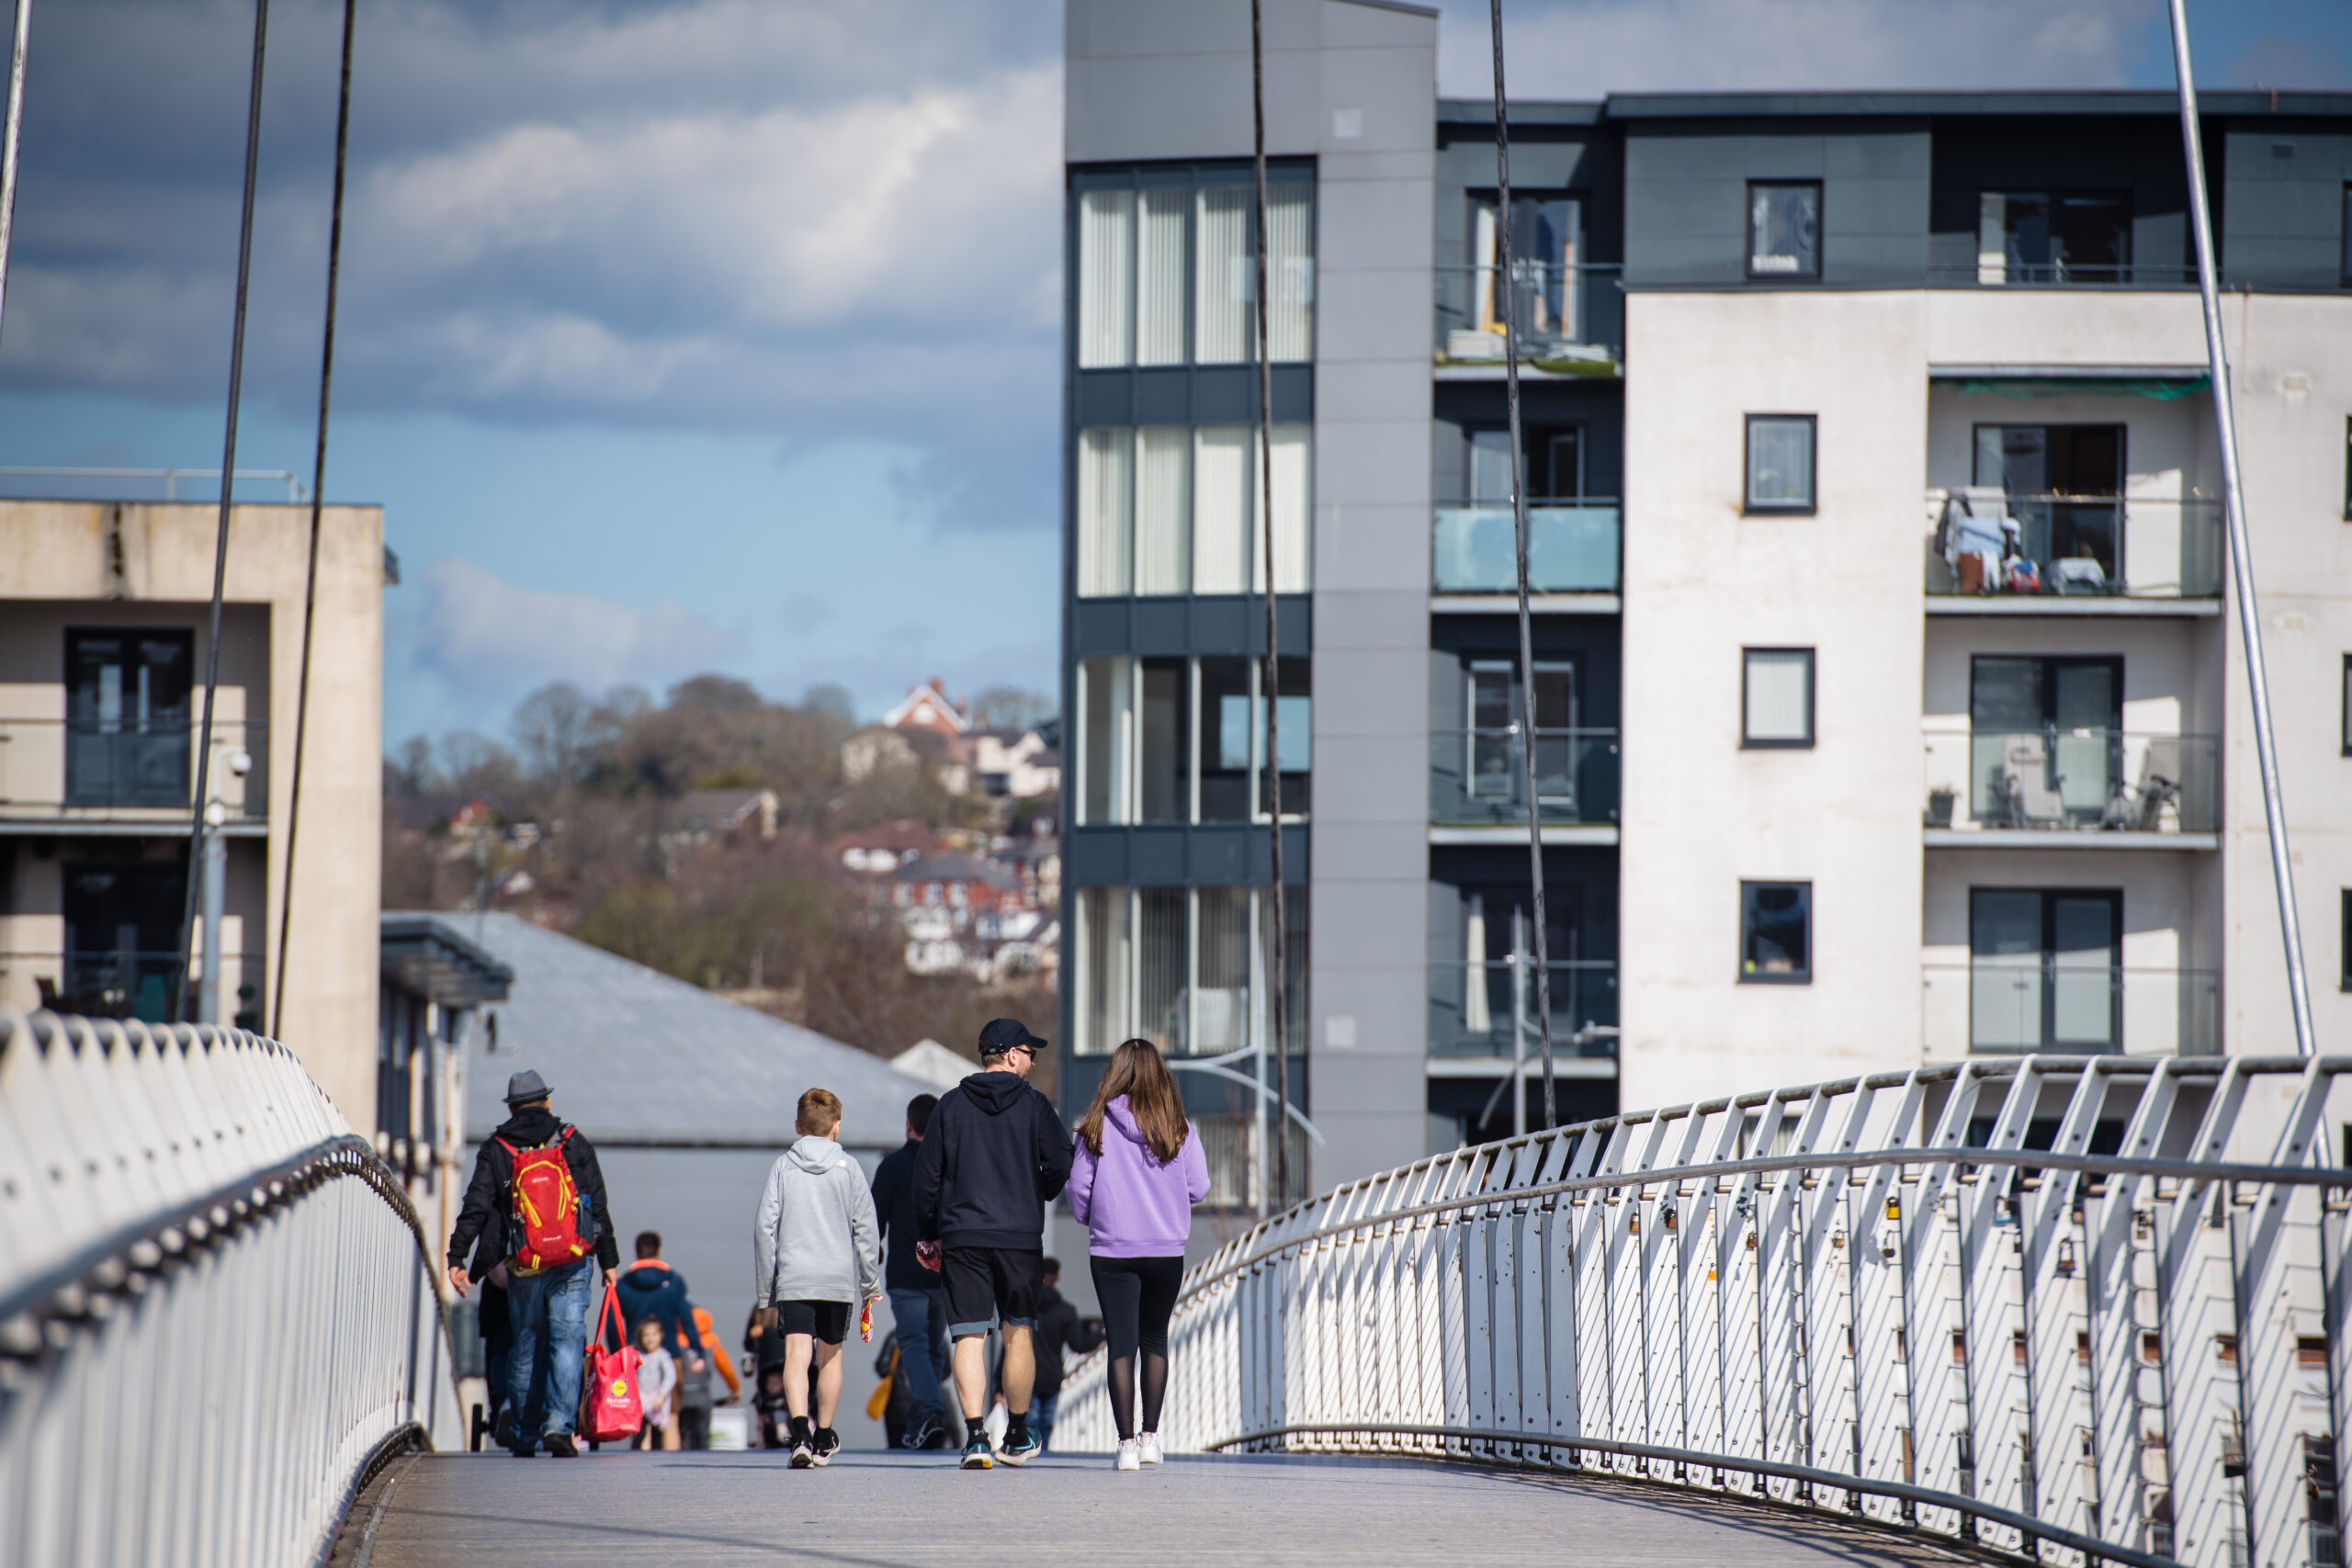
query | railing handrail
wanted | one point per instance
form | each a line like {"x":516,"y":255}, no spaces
{"x":2066,"y":497}
{"x":2074,"y":731}
{"x":1536,"y":504}
{"x":1512,"y":963}
{"x":1540,"y":732}
{"x":1530,"y":265}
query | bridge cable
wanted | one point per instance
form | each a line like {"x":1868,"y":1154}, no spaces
{"x":318,"y":493}
{"x":221,"y":531}
{"x":2266,"y":745}
{"x":11,"y":135}
{"x":1270,"y":764}
{"x":1506,"y":292}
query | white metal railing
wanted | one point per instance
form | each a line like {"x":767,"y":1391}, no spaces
{"x":2076,"y":1309}
{"x":216,"y":1311}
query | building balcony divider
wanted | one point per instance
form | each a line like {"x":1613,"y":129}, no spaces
{"x":1487,"y":1009}
{"x":1478,"y":777}
{"x":2073,"y":780}
{"x":2073,"y":1003}
{"x":1573,"y":546}
{"x":1982,"y":542}
{"x":1569,"y":321}
{"x":69,"y":770}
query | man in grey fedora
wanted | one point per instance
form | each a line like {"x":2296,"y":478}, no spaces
{"x":547,"y":1308}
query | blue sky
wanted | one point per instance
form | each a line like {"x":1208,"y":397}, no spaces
{"x":707,"y":335}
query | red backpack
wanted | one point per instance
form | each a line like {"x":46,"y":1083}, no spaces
{"x":546,"y":1220}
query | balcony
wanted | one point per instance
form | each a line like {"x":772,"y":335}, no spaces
{"x":123,"y":984}
{"x":1570,"y":321}
{"x":1486,"y":1010}
{"x":2076,"y":1004}
{"x":1990,"y":552}
{"x":1478,"y":780}
{"x":1572,"y":547}
{"x":98,"y":776}
{"x":2093,"y":788}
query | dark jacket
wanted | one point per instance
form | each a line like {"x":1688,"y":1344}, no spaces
{"x":993,"y":1156}
{"x":1060,"y":1328}
{"x":894,"y":1208}
{"x":490,"y":1195}
{"x":650,"y":1288}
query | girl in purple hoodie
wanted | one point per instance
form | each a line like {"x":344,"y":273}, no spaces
{"x":1134,"y":1178}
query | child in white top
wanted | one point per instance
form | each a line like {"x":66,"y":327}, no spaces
{"x":657,"y":1381}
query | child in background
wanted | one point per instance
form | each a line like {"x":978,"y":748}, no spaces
{"x":817,"y":1256}
{"x":657,"y":1381}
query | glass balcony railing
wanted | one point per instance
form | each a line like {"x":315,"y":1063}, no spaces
{"x":1570,"y":321}
{"x":1488,"y":1009}
{"x":85,"y":768}
{"x":1572,"y":547}
{"x":122,"y":984}
{"x":2074,"y":1003}
{"x":2077,"y":780}
{"x":1986,"y":542}
{"x":1478,"y":777}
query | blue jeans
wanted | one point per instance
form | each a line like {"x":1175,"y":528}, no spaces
{"x":1041,"y":1418}
{"x":922,"y":1317}
{"x":549,"y":1312}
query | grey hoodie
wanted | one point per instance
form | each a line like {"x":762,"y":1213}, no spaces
{"x":816,"y":1239}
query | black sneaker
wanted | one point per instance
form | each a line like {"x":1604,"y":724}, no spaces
{"x":560,"y":1445}
{"x":922,"y":1431}
{"x":976,"y":1454}
{"x":1021,"y":1447}
{"x":826,"y":1443}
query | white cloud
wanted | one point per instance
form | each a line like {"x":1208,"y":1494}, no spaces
{"x":485,"y":634}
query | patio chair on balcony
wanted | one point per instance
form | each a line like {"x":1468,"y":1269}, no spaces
{"x":2031,"y":796}
{"x":2140,"y":807}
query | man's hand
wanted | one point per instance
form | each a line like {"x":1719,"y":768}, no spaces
{"x":767,"y":1320}
{"x":612,"y":1277}
{"x":458,"y":1278}
{"x":927,"y":1254}
{"x":699,"y":1365}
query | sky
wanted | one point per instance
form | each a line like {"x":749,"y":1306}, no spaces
{"x":706,"y":334}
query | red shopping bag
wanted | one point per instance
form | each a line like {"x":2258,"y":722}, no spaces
{"x":614,"y":1411}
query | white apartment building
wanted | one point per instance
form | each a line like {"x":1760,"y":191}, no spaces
{"x":1889,"y":703}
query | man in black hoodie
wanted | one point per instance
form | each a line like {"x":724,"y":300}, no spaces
{"x":994,"y":1156}
{"x":547,"y":1311}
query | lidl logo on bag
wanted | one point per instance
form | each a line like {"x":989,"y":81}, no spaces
{"x":620,"y":1388}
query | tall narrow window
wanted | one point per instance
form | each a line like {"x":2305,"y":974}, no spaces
{"x":1293,"y":458}
{"x":1222,"y":457}
{"x":1105,"y":969}
{"x":1776,"y":699}
{"x":1163,"y":771}
{"x":1163,"y":509}
{"x":1107,"y":226}
{"x":1221,"y":1012}
{"x":1106,"y":702}
{"x":1784,"y":229}
{"x":1105,"y":511}
{"x":1223,"y":277}
{"x":1544,"y":254}
{"x":1160,"y":277}
{"x":1290,"y":272}
{"x":1227,"y":755}
{"x":1776,"y":933}
{"x":1780,"y":462}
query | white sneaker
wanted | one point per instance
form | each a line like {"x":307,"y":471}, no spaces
{"x":1126,"y":1459}
{"x":1147,"y":1448}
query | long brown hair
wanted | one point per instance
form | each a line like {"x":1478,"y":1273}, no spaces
{"x":1138,"y":1072}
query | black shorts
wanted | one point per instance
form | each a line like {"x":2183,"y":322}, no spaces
{"x":986,"y":1283}
{"x":828,"y":1321}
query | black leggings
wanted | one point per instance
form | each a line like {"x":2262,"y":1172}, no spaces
{"x":1138,"y":1297}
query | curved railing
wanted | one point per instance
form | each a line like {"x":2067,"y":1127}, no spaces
{"x":2073,"y":1309}
{"x":217,"y":1310}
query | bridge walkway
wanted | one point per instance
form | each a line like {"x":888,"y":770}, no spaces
{"x":883,"y":1510}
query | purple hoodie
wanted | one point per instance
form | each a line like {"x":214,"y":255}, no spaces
{"x":1132,"y":1205}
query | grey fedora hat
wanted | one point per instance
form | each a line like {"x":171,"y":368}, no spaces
{"x":525,"y":1086}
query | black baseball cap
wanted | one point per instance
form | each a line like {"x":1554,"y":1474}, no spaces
{"x":999,"y":1035}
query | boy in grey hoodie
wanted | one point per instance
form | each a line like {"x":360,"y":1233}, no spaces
{"x":816,"y":1252}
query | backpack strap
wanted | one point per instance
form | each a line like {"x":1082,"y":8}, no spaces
{"x":512,"y":1152}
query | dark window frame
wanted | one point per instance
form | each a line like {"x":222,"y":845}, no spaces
{"x":2123,"y":196}
{"x":2343,"y":983}
{"x":2346,"y":237}
{"x":1749,"y":976}
{"x":2050,"y":896}
{"x":1820,"y":229}
{"x":1751,"y":507}
{"x":1747,"y":740}
{"x":2347,"y":705}
{"x":2348,"y":451}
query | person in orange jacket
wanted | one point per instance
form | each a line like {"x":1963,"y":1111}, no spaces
{"x":695,"y":1395}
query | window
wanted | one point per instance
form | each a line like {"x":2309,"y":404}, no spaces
{"x":1545,"y":241}
{"x":1780,"y":462}
{"x":2053,"y":479}
{"x":2045,"y":739}
{"x":1554,"y":464}
{"x":1784,"y":229}
{"x":1181,"y":741}
{"x":2344,"y":926}
{"x":2044,"y":969}
{"x":1178,"y":509}
{"x":2053,"y":237}
{"x":2347,"y":232}
{"x":1184,"y":967}
{"x":1494,"y":765}
{"x":127,"y":717}
{"x":1776,"y":699}
{"x":1776,"y":933}
{"x":2347,"y":464}
{"x":1167,"y":273}
{"x":2347,"y":705}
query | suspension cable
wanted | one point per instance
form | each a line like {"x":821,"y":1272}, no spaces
{"x":1506,"y":290}
{"x":221,"y":531}
{"x":11,"y":135}
{"x":318,"y":495}
{"x":1269,"y":772}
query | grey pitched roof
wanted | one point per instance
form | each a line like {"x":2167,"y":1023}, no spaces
{"x":635,"y":1056}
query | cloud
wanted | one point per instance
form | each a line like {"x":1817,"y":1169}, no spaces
{"x":482,"y":634}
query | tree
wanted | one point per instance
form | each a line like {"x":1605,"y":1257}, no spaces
{"x":1010,"y":708}
{"x":555,"y":728}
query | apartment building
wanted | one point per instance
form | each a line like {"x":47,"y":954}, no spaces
{"x":105,"y":617}
{"x":1888,"y":704}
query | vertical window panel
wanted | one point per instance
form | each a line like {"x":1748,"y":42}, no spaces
{"x":1293,"y":512}
{"x":1163,"y":509}
{"x":1780,"y":462}
{"x":1162,"y":977}
{"x":1226,"y":756}
{"x":1222,"y":1010}
{"x":1164,"y":776}
{"x":1107,"y":221}
{"x":1106,"y":727}
{"x":1784,"y":229}
{"x":1223,"y":329}
{"x":1105,"y":512}
{"x":1290,"y":273}
{"x":1105,"y":962}
{"x":1776,"y":697}
{"x":1160,"y":277}
{"x":1775,"y":933}
{"x":1221,"y":489}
